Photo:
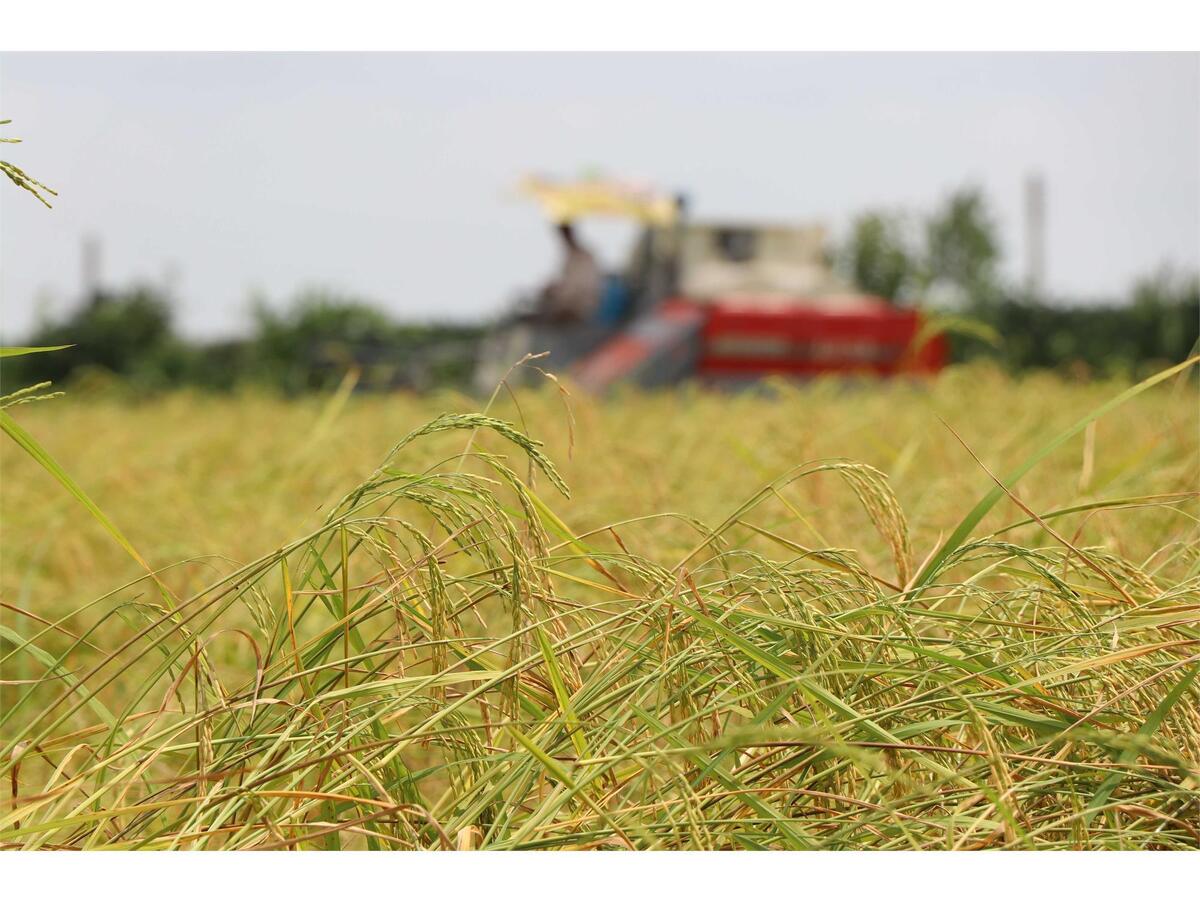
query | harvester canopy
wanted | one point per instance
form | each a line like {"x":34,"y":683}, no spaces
{"x":568,"y":201}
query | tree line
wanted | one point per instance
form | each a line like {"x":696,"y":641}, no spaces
{"x":951,"y":259}
{"x":308,"y":346}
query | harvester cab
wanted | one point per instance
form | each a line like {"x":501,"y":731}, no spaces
{"x":721,"y":301}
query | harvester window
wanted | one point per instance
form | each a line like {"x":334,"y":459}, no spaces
{"x":736,"y":245}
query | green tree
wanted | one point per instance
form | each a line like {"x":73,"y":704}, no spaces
{"x":963,"y":248}
{"x":129,"y":334}
{"x":321,"y":334}
{"x":309,"y":345}
{"x":878,"y":256}
{"x":1167,"y":305}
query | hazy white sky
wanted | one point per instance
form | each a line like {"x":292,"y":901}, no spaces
{"x":390,"y":176}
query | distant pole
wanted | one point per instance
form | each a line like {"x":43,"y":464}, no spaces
{"x":91,"y":266}
{"x":1035,"y":235}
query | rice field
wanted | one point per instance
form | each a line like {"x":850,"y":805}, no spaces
{"x":803,"y":618}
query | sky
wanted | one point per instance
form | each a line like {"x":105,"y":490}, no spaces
{"x":391,"y":177}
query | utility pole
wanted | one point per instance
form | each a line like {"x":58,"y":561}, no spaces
{"x":1035,"y":235}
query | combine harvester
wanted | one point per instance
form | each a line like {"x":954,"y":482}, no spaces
{"x":720,"y":302}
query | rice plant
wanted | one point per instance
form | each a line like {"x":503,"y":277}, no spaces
{"x":442,"y":662}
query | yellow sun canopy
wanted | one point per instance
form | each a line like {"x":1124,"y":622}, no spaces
{"x":567,"y":201}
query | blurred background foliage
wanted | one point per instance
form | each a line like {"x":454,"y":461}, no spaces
{"x":948,"y":261}
{"x":307,"y":346}
{"x":1159,"y":324}
{"x":951,"y":261}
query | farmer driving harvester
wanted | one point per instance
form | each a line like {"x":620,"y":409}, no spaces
{"x":574,"y":294}
{"x":724,"y":301}
{"x":582,"y":291}
{"x":582,"y":306}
